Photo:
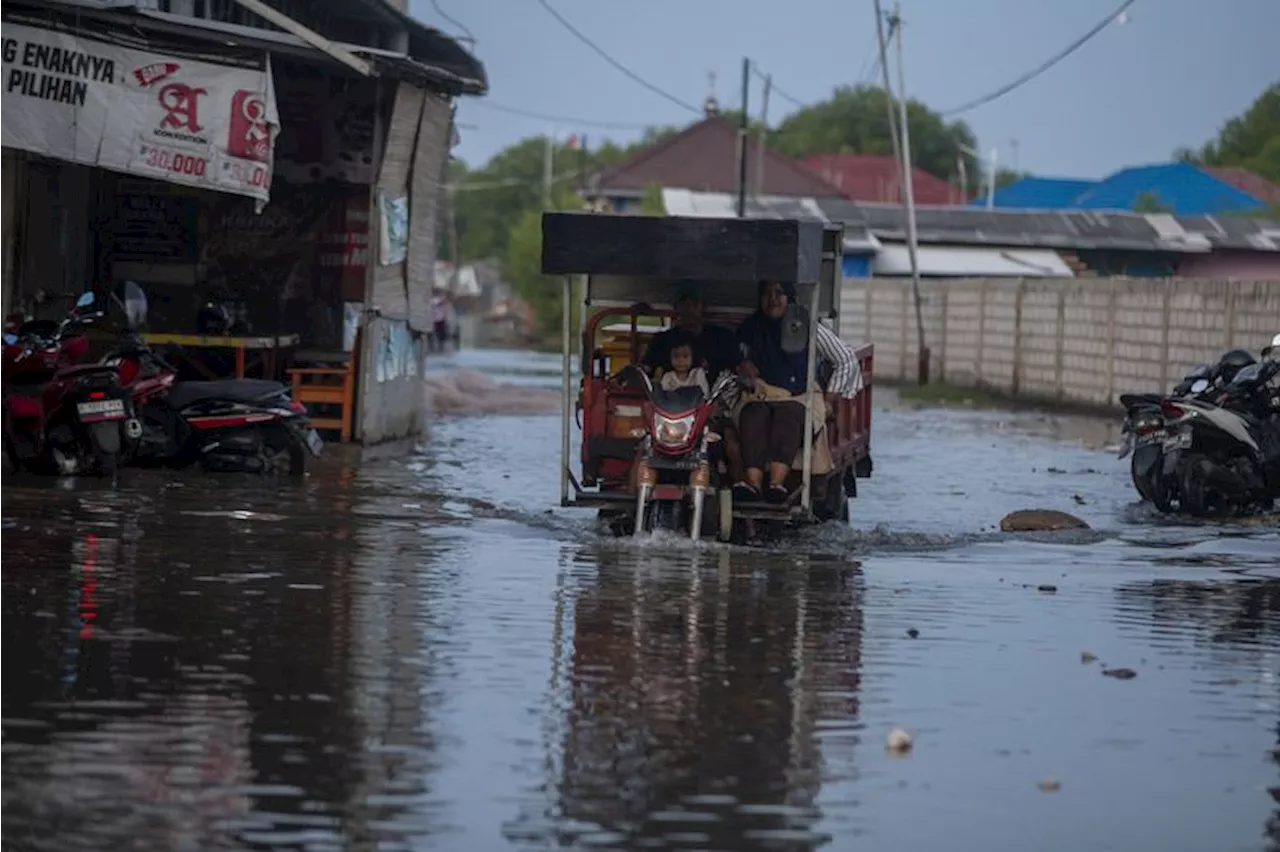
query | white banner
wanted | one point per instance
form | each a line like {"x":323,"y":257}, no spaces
{"x":189,"y":122}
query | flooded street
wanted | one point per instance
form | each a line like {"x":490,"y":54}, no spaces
{"x":423,"y":654}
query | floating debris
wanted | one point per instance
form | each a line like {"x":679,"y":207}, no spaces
{"x":1087,"y":658}
{"x":1049,"y":785}
{"x":1120,"y":674}
{"x":898,"y":742}
{"x":1047,"y":588}
{"x":913,"y":633}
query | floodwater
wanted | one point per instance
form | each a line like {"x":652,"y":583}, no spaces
{"x":424,"y":655}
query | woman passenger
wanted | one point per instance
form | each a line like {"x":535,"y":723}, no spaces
{"x":771,"y":421}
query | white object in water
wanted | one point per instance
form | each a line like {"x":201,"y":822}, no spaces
{"x":899,"y":741}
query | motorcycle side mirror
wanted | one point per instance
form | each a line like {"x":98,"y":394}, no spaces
{"x":795,"y":329}
{"x":10,"y":339}
{"x":83,"y":303}
{"x":135,"y":304}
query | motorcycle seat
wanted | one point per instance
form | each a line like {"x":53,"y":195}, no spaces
{"x":238,"y":390}
{"x":84,"y":370}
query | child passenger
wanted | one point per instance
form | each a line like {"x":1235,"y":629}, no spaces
{"x":682,"y":373}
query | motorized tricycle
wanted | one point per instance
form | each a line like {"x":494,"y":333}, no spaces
{"x":645,"y":465}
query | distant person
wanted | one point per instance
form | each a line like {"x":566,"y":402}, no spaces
{"x":681,"y":372}
{"x":439,"y":319}
{"x":714,"y":347}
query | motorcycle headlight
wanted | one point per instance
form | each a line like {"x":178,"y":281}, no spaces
{"x":672,"y":432}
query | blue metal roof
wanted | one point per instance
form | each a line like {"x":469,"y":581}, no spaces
{"x":1034,"y":193}
{"x":1182,"y":187}
{"x":1187,"y":190}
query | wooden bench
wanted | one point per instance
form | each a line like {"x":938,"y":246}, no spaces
{"x":334,"y":386}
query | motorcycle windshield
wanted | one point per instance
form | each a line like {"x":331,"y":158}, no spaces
{"x":678,"y":400}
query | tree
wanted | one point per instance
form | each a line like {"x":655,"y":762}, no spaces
{"x":1250,"y":141}
{"x":651,"y":203}
{"x":1149,"y":202}
{"x":522,"y":262}
{"x":1004,"y":177}
{"x":855,"y":120}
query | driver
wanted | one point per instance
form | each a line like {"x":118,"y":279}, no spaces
{"x":715,"y":348}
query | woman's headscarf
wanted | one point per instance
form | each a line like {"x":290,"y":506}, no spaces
{"x":763,"y":337}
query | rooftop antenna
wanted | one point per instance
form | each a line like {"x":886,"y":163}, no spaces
{"x":711,"y":106}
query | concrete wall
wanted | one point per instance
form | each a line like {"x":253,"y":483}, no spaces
{"x":1232,"y":265}
{"x":1074,"y":340}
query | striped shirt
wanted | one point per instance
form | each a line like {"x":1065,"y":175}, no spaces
{"x":846,"y":373}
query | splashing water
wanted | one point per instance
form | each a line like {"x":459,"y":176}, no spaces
{"x":470,"y":392}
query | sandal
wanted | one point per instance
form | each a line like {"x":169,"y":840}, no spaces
{"x":745,"y":492}
{"x":778,"y":494}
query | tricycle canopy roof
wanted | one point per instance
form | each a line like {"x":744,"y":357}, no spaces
{"x":647,"y":259}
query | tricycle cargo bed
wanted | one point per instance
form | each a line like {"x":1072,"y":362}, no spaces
{"x":673,"y":247}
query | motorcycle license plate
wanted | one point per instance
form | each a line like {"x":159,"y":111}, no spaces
{"x":314,"y":442}
{"x":104,"y":409}
{"x":1181,"y":441}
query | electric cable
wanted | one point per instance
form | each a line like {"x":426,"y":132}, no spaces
{"x":1043,"y":67}
{"x":466,"y":32}
{"x":603,"y":54}
{"x":569,"y":120}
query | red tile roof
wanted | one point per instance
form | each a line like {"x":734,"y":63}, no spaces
{"x":874,"y":178}
{"x":1246,"y":181}
{"x":704,"y":157}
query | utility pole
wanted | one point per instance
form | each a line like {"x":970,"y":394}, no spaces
{"x":742,"y":139}
{"x":548,"y":157}
{"x":902,"y":150}
{"x":764,"y":128}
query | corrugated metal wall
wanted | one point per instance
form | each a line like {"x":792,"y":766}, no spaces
{"x":392,"y":399}
{"x":424,"y":205}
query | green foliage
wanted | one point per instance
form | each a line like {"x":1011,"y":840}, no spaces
{"x":522,"y":263}
{"x":1249,"y":141}
{"x":651,"y":203}
{"x":855,"y":120}
{"x":1149,"y":202}
{"x":1004,"y":177}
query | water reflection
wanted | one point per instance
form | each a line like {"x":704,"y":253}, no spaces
{"x":700,"y":689}
{"x":201,"y":676}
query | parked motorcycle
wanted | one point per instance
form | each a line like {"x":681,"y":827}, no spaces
{"x":229,"y":425}
{"x":679,"y":457}
{"x":62,"y":417}
{"x":1226,"y":453}
{"x":1146,"y":433}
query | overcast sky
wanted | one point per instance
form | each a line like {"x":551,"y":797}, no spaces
{"x":1169,"y":76}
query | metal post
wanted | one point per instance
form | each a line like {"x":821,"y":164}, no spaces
{"x":566,"y":388}
{"x":922,"y":351}
{"x":548,"y":157}
{"x":742,"y":137}
{"x":806,"y":500}
{"x":764,"y":128}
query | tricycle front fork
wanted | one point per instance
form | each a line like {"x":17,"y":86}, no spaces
{"x":647,"y":477}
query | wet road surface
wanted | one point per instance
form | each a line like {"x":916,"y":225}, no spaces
{"x":422,"y":655}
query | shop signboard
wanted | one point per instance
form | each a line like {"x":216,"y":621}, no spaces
{"x":165,"y":117}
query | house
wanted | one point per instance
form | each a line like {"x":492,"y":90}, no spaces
{"x":703,"y":158}
{"x":1184,"y":189}
{"x":293,"y":159}
{"x":962,"y":242}
{"x":874,"y":178}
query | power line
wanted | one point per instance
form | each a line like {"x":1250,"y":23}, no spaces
{"x":467,"y":33}
{"x":615,"y":63}
{"x":868,"y":70}
{"x":567,"y":120}
{"x":1031,"y":75}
